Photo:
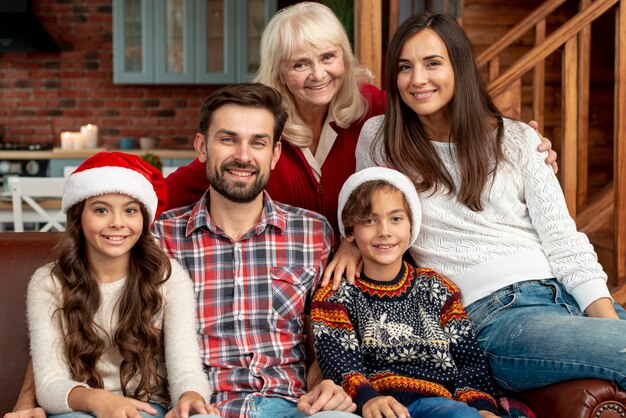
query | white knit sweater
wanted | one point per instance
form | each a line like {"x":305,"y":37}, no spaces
{"x":53,"y":381}
{"x":524,"y":233}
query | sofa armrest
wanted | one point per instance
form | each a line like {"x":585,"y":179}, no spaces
{"x":581,"y":398}
{"x":21,"y":254}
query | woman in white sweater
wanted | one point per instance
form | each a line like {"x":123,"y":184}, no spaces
{"x":494,"y":216}
{"x":112,"y":320}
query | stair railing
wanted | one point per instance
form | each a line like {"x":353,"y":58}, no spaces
{"x":574,"y":37}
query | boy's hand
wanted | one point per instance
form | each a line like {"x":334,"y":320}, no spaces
{"x":384,"y":406}
{"x":487,"y":414}
{"x":327,"y":396}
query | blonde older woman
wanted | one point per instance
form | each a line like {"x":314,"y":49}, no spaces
{"x":306,"y":56}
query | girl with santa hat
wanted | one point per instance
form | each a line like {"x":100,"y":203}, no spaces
{"x":112,"y":320}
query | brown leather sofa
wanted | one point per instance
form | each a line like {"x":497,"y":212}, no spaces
{"x":22,"y":253}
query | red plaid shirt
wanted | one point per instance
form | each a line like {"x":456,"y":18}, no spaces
{"x":251,"y":296}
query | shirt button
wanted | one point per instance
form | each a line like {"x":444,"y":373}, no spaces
{"x":238,"y":280}
{"x":238,"y":245}
{"x":240,"y":317}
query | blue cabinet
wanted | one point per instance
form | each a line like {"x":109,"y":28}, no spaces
{"x":187,"y":41}
{"x":57,"y":166}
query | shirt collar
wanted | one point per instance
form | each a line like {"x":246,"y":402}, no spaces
{"x":325,"y":144}
{"x":271,"y":215}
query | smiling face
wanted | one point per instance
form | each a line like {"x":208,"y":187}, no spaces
{"x":425,"y":77}
{"x":112,"y":224}
{"x":314,"y":76}
{"x":383,"y":237}
{"x":239,"y":152}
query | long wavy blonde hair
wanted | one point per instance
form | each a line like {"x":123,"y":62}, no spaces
{"x":299,"y":27}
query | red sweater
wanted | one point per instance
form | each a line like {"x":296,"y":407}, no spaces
{"x":292,"y":181}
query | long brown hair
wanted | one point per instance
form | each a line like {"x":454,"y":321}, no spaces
{"x":471,"y":119}
{"x":140,"y":343}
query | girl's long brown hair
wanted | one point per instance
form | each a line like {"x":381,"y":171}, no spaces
{"x":472,"y":119}
{"x":138,"y":340}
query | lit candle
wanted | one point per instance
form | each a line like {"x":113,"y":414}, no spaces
{"x":77,"y":140}
{"x":90,"y":135}
{"x":66,"y":140}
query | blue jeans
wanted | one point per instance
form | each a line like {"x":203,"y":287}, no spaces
{"x":264,"y":407}
{"x":161,"y":411}
{"x":534,"y":334}
{"x":438,"y":407}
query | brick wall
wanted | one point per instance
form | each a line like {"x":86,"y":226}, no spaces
{"x":43,"y":94}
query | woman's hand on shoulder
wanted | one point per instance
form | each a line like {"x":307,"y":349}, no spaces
{"x":191,"y":403}
{"x":346,"y":260}
{"x":546,"y":145}
{"x":384,"y":406}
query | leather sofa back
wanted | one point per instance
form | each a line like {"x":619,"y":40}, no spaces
{"x":21,"y":253}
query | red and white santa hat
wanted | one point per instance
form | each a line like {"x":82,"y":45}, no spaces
{"x":117,"y":172}
{"x":391,"y":176}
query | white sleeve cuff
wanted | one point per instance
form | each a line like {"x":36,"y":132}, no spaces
{"x":590,"y":291}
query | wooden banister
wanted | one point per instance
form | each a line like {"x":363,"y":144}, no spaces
{"x":551,"y":44}
{"x":584,"y":76}
{"x":367,"y":36}
{"x":517,"y":31}
{"x":569,"y":150}
{"x":619,"y":141}
{"x":539,"y":78}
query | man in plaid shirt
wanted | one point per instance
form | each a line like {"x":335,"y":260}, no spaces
{"x":254,"y":263}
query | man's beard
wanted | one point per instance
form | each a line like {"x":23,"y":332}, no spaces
{"x":237,"y":191}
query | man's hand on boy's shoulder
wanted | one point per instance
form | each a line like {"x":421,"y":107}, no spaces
{"x":346,"y":263}
{"x":327,"y":396}
{"x":26,"y":413}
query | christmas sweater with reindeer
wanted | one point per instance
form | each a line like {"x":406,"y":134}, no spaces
{"x":408,"y":338}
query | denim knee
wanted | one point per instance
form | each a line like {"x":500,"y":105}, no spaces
{"x":439,"y":407}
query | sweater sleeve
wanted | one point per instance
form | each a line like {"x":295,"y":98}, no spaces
{"x":473,"y":384}
{"x":182,"y":352}
{"x":186,"y":185}
{"x":337,"y":346}
{"x":570,"y":254}
{"x":365,"y":155}
{"x":53,"y":381}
